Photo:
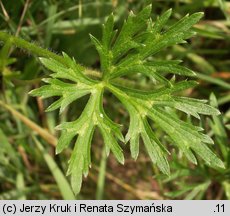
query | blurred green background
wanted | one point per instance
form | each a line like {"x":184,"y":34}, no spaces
{"x":29,"y":168}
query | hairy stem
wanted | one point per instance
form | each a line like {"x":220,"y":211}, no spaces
{"x":30,"y":47}
{"x":41,"y":52}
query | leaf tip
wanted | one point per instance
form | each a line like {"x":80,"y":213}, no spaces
{"x":42,"y":60}
{"x":122,"y":161}
{"x":221,"y":165}
{"x":169,"y":12}
{"x":149,"y":7}
{"x":32,"y":92}
{"x":197,"y":16}
{"x":46,"y":80}
{"x":201,"y":14}
{"x":57,"y":151}
{"x":217,"y":112}
{"x":58,"y":127}
{"x":135,"y":157}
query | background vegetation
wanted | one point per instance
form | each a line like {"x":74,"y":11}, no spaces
{"x":29,"y":168}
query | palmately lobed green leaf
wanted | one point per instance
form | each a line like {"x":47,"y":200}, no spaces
{"x":123,"y":53}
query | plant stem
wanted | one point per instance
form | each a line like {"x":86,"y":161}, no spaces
{"x":4,"y":55}
{"x":41,"y":52}
{"x":30,"y":47}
